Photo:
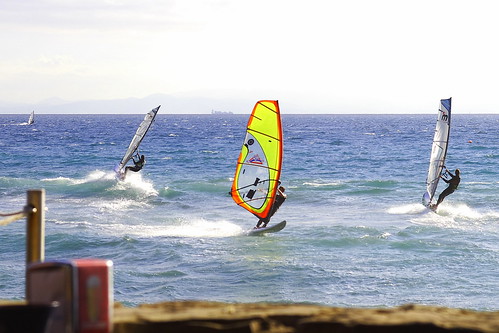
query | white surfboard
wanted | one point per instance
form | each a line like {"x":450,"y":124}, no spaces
{"x":271,"y":228}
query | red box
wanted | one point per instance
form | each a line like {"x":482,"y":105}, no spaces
{"x":83,"y":290}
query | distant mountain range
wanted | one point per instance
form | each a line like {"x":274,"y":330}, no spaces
{"x":172,"y":104}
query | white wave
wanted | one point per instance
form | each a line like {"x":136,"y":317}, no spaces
{"x":407,"y":209}
{"x":385,"y":235}
{"x":71,"y":223}
{"x":459,"y":216}
{"x":60,"y":180}
{"x":470,"y":216}
{"x":313,"y":184}
{"x":92,"y":177}
{"x":134,"y":181}
{"x":194,"y":228}
{"x":119,"y":205}
{"x":99,"y":175}
{"x":458,"y":211}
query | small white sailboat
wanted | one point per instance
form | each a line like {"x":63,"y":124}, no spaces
{"x":135,"y":143}
{"x":31,"y":119}
{"x":258,"y":169}
{"x":438,"y":151}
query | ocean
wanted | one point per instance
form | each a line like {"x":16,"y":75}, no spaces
{"x":357,"y":234}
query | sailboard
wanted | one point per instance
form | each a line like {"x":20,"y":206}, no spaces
{"x":266,"y":230}
{"x":31,"y":118}
{"x":259,"y":164}
{"x":136,"y":141}
{"x":438,"y":151}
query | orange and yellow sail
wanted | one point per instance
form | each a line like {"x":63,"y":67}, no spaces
{"x":259,"y":164}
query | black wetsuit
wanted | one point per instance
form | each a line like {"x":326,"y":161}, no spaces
{"x":138,"y":165}
{"x":453,"y":184}
{"x":279,"y":200}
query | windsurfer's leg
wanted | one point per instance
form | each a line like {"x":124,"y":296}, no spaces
{"x":134,"y":169}
{"x":440,"y":198}
{"x":262,"y":221}
{"x":273,"y":210}
{"x":442,"y":195}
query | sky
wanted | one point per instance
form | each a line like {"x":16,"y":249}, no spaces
{"x":358,"y":56}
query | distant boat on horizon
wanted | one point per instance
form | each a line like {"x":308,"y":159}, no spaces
{"x":220,"y":112}
{"x":31,"y":119}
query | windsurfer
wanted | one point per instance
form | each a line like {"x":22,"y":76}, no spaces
{"x":138,"y":164}
{"x":279,"y":200}
{"x":453,"y":183}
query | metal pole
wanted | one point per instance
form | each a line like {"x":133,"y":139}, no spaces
{"x":35,"y":227}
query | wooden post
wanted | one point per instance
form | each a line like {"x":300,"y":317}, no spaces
{"x":35,"y":226}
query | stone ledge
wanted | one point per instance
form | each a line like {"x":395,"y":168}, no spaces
{"x":199,"y":316}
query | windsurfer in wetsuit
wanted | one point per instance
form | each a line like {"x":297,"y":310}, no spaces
{"x":278,"y":201}
{"x":138,"y":164}
{"x":453,"y":183}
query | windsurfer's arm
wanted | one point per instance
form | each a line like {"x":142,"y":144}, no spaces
{"x":448,"y":171}
{"x":280,"y":192}
{"x":136,"y":155}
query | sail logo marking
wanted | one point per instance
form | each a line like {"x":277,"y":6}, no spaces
{"x":255,"y":160}
{"x":445,"y":116}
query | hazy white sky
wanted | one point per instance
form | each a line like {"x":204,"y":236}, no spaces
{"x":356,"y":56}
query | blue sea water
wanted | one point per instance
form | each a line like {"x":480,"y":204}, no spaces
{"x":357,"y":234}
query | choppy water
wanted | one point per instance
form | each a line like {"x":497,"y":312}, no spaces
{"x":357,"y":234}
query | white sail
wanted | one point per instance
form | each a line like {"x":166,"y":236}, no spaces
{"x":31,"y":119}
{"x":438,"y":150}
{"x":137,"y":138}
